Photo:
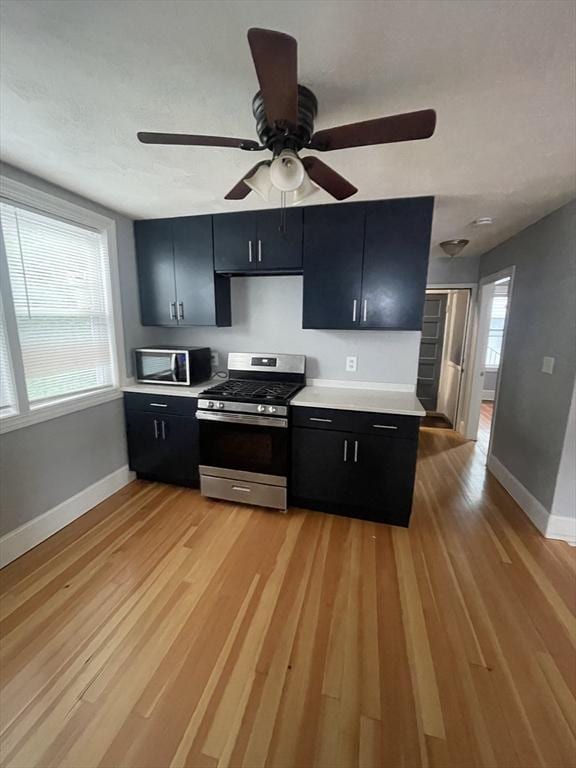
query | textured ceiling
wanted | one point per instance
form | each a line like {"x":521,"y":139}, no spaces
{"x":80,"y":77}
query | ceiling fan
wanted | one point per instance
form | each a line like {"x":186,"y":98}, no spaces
{"x":284,"y":113}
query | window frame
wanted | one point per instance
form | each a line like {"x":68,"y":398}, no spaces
{"x":16,"y":193}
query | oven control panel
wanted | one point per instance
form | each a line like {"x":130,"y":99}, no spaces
{"x":219,"y":405}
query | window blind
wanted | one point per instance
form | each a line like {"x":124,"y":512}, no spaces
{"x":7,"y":389}
{"x":59,"y":276}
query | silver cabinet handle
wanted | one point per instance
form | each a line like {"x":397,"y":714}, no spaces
{"x":259,"y":250}
{"x":240,"y":488}
{"x":383,"y":426}
{"x":158,"y":405}
{"x":163,"y":423}
{"x":250,"y":251}
{"x":365,"y":312}
{"x":314,"y":418}
{"x":172,"y":310}
{"x":354,"y":308}
{"x":355,"y":450}
{"x":345,"y":450}
{"x":155,"y":429}
{"x":180,"y":310}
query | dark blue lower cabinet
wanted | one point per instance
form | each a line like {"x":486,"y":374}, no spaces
{"x":353,"y":474}
{"x":163,"y":446}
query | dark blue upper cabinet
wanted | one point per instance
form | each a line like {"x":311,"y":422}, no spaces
{"x":202,"y":298}
{"x":254,"y":241}
{"x":178,"y":286}
{"x":396,"y":250}
{"x":155,"y":257}
{"x":365,"y":264}
{"x":333,"y":252}
{"x":235,"y":242}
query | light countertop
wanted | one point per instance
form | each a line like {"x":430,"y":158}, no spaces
{"x":167,"y":389}
{"x":349,"y":399}
{"x":341,"y":398}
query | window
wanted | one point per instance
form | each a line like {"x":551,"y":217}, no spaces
{"x":58,"y":292}
{"x":498,"y":311}
{"x":8,"y":405}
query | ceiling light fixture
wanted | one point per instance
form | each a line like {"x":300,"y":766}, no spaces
{"x":286,"y":173}
{"x":454,"y":247}
{"x":260,"y":182}
{"x":483,"y":221}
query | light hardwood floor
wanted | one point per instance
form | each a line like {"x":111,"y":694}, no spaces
{"x":164,"y":630}
{"x":485,"y":426}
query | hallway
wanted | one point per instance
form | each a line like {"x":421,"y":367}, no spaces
{"x":485,"y":426}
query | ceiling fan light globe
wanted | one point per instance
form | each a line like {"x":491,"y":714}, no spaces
{"x":287,"y":172}
{"x":304,"y":191}
{"x":260,"y":182}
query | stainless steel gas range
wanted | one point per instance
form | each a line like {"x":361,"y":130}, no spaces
{"x":243,"y":426}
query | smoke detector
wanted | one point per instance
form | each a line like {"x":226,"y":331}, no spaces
{"x":454,"y":247}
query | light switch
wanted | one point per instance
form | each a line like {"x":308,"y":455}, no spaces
{"x":351,"y":364}
{"x":548,"y":364}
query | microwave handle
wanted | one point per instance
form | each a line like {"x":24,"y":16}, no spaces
{"x":174,"y":366}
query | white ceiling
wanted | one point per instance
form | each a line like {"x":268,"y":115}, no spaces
{"x":81,"y":77}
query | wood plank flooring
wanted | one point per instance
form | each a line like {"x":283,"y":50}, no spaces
{"x":163,"y":630}
{"x":485,"y":426}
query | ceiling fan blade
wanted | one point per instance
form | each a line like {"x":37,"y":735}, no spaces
{"x":275,"y":59}
{"x":328,"y":179}
{"x":191,"y":140}
{"x":383,"y":130}
{"x":241,"y":190}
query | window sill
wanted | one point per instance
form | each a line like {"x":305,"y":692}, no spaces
{"x":63,"y":408}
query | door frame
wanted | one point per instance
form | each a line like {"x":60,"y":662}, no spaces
{"x":461,"y":419}
{"x":480,"y":340}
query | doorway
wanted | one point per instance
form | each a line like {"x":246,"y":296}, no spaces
{"x":442,"y":355}
{"x":494,"y":303}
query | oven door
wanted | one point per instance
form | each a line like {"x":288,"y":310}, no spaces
{"x":243,"y":443}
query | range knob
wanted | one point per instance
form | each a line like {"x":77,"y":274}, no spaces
{"x":220,"y":405}
{"x":210,"y":404}
{"x":261,"y":408}
{"x":271,"y":409}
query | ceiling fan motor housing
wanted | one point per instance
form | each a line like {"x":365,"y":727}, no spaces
{"x":278,"y":137}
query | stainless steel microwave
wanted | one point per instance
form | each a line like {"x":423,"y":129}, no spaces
{"x":172,"y":365}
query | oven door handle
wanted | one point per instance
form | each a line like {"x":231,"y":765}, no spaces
{"x":242,"y":418}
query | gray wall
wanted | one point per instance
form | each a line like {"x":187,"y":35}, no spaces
{"x":47,"y":463}
{"x":267,"y":317}
{"x":533,"y":407}
{"x":462,"y":269}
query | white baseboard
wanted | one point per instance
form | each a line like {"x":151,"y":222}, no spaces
{"x":550,"y":526}
{"x":29,"y":535}
{"x":563,"y":528}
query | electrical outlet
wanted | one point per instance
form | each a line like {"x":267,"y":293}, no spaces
{"x":548,"y":364}
{"x":215,"y":358}
{"x":351,"y":363}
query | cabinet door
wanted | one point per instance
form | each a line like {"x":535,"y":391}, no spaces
{"x":179,"y":435}
{"x":396,"y":251}
{"x":276,"y":249}
{"x":155,"y":258}
{"x":196,"y":283}
{"x":235,"y":242}
{"x":333,"y":247}
{"x":384,"y":478}
{"x":146,"y":450}
{"x":322,"y":468}
{"x":163,"y":446}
